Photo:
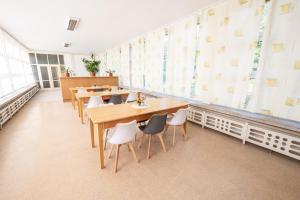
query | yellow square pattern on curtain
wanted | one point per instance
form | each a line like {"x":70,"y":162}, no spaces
{"x":286,"y":8}
{"x":290,"y":101}
{"x":243,"y":2}
{"x":272,"y":82}
{"x":210,"y":12}
{"x":277,"y":47}
{"x":266,"y":112}
{"x":297,"y":64}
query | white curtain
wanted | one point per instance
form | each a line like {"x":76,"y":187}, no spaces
{"x":278,"y":89}
{"x":153,"y":59}
{"x":137,"y":62}
{"x":227,"y":34}
{"x":124,"y":65}
{"x":235,"y":53}
{"x":181,"y":56}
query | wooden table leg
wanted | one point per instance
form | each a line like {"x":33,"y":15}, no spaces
{"x":101,"y":149}
{"x":73,"y":99}
{"x":80,"y":108}
{"x":92,"y":133}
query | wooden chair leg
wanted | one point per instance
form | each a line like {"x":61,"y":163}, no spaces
{"x":105,"y":139}
{"x":162,"y":142}
{"x":128,"y":147}
{"x":174,"y":134}
{"x":117,"y":157}
{"x":133,"y":151}
{"x":149,"y":147}
{"x":111,"y":150}
{"x":184,"y":128}
{"x":141,"y":141}
{"x":166,"y":127}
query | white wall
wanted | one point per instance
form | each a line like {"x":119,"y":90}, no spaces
{"x":74,"y":62}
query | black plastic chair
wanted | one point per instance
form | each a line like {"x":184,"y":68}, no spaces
{"x":115,"y":99}
{"x":155,"y":126}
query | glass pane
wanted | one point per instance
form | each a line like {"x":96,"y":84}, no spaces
{"x":46,"y":84}
{"x":52,"y":59}
{"x":54,"y":73}
{"x":35,"y":72}
{"x":19,"y":82}
{"x":56,"y":83}
{"x":61,"y":59}
{"x":32,"y":58}
{"x":44,"y":72}
{"x":3,"y":65}
{"x":9,"y":49}
{"x":6,"y":86}
{"x":42,"y":58}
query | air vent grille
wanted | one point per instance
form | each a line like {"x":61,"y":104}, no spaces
{"x":67,"y":44}
{"x":72,"y":23}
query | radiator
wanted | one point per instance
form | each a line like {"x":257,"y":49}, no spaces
{"x":280,"y":142}
{"x":8,"y":111}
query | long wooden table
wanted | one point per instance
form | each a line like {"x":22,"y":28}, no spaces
{"x":73,"y":91}
{"x":107,"y":117}
{"x":83,"y":97}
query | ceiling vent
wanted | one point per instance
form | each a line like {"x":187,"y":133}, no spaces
{"x":67,"y":44}
{"x":72,"y":23}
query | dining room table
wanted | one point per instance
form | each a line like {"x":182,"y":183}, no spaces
{"x":105,"y":95}
{"x":107,"y":117}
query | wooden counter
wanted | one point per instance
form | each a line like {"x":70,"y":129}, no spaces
{"x":69,"y":82}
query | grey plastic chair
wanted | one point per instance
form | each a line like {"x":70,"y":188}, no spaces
{"x":115,"y":99}
{"x":155,"y":126}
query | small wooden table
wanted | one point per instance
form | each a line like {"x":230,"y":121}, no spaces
{"x":74,"y":90}
{"x":109,"y":116}
{"x":83,"y":97}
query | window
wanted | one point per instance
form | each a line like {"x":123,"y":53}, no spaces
{"x":15,"y":71}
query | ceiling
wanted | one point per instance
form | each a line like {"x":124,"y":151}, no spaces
{"x":41,"y":24}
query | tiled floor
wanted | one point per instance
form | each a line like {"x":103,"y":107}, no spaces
{"x":45,"y":153}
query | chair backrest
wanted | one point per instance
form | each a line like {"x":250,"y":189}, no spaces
{"x":95,"y":101}
{"x":156,"y":124}
{"x":179,"y":117}
{"x":81,"y":90}
{"x":115,"y":99}
{"x":131,"y":97}
{"x":124,"y":132}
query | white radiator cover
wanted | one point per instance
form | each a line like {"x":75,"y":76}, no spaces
{"x":280,"y":142}
{"x":8,"y":111}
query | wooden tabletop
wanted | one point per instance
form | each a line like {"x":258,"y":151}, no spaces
{"x":121,"y":111}
{"x":104,"y":93}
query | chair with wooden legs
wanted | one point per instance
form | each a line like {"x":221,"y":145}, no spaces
{"x":179,"y":119}
{"x":115,"y":99}
{"x":155,"y":126}
{"x":122,"y":133}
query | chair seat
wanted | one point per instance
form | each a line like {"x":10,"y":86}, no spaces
{"x":171,"y":123}
{"x":118,"y":138}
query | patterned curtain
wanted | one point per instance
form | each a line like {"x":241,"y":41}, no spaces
{"x":154,"y":59}
{"x":181,"y":56}
{"x":124,"y":65}
{"x":227,"y":34}
{"x":137,"y":62}
{"x":278,"y":90}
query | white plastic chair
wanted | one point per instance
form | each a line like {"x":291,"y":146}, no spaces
{"x":179,"y":119}
{"x":95,"y":101}
{"x":122,"y":133}
{"x":131,"y":97}
{"x":81,"y":90}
